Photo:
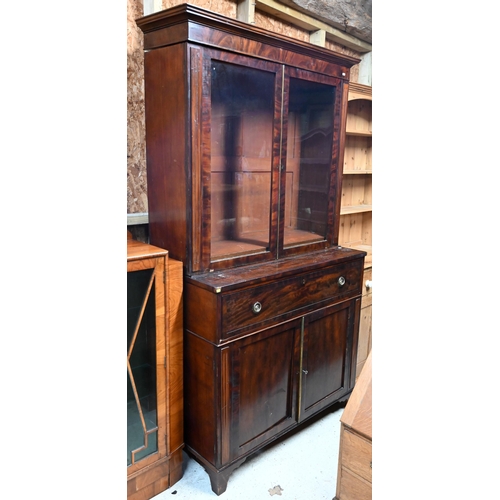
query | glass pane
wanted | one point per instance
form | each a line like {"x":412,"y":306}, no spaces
{"x":241,"y":147}
{"x":308,"y":163}
{"x":141,"y":385}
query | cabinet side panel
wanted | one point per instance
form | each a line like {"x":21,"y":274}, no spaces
{"x":175,"y":334}
{"x":161,"y":332}
{"x":199,"y":396}
{"x":200,"y":312}
{"x":166,"y":143}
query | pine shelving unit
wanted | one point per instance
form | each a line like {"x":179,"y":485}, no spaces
{"x":356,"y":209}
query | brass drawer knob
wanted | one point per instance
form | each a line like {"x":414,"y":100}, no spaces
{"x":257,"y":307}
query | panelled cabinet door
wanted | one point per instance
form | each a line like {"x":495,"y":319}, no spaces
{"x":264,"y":375}
{"x":326,"y":357}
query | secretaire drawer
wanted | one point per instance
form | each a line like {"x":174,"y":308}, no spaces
{"x":282,"y":298}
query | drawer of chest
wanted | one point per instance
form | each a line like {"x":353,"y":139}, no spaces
{"x":357,"y":454}
{"x":353,"y":487}
{"x":282,"y":298}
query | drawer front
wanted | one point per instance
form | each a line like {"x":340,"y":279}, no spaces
{"x":357,"y":454}
{"x":353,"y":487}
{"x":280,"y":299}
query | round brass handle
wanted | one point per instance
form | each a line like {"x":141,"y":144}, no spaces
{"x":341,"y":281}
{"x":257,"y":307}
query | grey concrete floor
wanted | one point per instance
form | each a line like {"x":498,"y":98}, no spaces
{"x":302,"y":466}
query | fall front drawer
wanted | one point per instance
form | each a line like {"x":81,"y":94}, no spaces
{"x":230,"y":310}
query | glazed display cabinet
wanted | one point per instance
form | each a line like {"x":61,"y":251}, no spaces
{"x":154,"y":370}
{"x":245,"y":133}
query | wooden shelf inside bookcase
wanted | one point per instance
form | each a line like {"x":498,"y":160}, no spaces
{"x":357,"y":172}
{"x":355,"y":209}
{"x":359,"y":133}
{"x":258,"y":242}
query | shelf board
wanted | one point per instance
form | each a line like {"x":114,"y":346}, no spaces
{"x":355,"y":209}
{"x":357,"y":172}
{"x":358,"y":133}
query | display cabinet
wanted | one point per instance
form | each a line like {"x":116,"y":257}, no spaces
{"x":154,"y":370}
{"x":245,"y":134}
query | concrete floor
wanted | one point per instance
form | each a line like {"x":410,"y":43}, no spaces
{"x":302,"y":466}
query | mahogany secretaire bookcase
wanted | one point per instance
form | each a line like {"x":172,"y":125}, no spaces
{"x":245,"y":135}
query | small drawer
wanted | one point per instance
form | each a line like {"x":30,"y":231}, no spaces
{"x":281,"y":299}
{"x":357,"y":454}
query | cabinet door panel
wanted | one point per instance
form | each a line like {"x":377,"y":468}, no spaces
{"x":312,"y":132}
{"x":326,"y":357}
{"x":146,"y":373}
{"x":242,"y":141}
{"x":264,"y":386}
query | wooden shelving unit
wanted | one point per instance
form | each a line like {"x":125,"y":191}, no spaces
{"x":356,"y":209}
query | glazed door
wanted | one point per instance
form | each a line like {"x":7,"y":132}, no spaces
{"x":241,"y":158}
{"x":270,"y":143}
{"x":311,"y":155}
{"x":263,"y":387}
{"x":146,"y":373}
{"x":327,"y":357}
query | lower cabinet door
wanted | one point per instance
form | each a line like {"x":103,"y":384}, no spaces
{"x":263,"y":372}
{"x":327,"y":357}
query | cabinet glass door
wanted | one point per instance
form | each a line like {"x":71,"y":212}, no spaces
{"x":308,"y":206}
{"x":242,"y":109}
{"x":142,"y":420}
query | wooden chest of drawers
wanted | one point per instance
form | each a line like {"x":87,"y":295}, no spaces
{"x":354,"y":479}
